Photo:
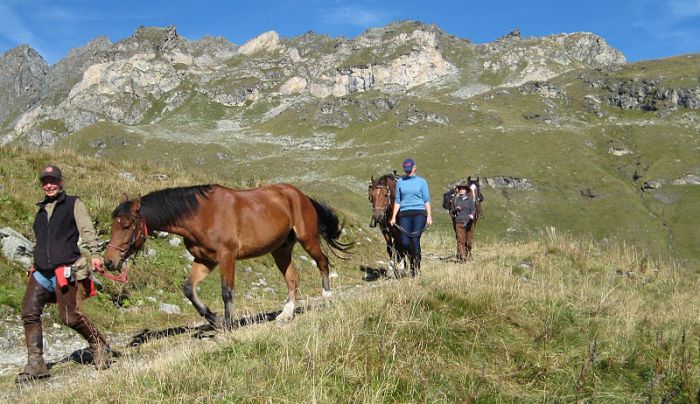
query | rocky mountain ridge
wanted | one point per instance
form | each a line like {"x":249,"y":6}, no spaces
{"x":144,"y":77}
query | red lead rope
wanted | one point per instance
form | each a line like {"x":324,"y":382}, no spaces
{"x":122,"y":277}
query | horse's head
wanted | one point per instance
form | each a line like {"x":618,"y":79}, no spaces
{"x":380,"y":198}
{"x":475,"y":188}
{"x":129,"y":233}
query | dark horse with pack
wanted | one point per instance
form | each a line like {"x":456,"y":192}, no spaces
{"x":382,"y":194}
{"x":220,"y":225}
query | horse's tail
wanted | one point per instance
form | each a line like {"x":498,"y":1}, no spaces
{"x":329,"y":226}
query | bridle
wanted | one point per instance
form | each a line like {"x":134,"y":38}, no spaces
{"x":138,"y":237}
{"x":379,"y":211}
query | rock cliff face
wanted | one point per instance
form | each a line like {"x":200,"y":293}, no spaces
{"x":23,"y":80}
{"x":539,"y":59}
{"x":144,"y":78}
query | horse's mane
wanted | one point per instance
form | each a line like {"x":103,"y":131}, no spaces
{"x":163,"y":207}
{"x":384,"y":179}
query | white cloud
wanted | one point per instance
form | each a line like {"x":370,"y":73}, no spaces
{"x":684,"y":9}
{"x":353,"y":16}
{"x":675,"y":22}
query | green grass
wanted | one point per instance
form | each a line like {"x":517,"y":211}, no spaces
{"x":587,"y":321}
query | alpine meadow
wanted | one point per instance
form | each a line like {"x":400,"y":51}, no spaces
{"x":582,"y":285}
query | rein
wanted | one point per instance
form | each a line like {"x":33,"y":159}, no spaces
{"x":409,"y":233}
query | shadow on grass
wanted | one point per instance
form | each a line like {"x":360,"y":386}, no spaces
{"x":205,"y":330}
{"x":372,"y":274}
{"x":82,"y":356}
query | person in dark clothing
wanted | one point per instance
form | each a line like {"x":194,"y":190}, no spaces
{"x":58,"y":269}
{"x":413,"y":211}
{"x":464,"y":213}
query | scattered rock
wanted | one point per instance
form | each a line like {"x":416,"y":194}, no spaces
{"x":521,"y":184}
{"x":619,"y":150}
{"x":16,"y":248}
{"x":688,"y":179}
{"x":127,"y":177}
{"x":169,"y":308}
{"x":665,"y":198}
{"x":588,"y":193}
{"x":653,"y":184}
{"x":159,"y":177}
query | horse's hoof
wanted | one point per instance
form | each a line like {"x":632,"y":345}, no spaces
{"x":284,"y":317}
{"x":222,"y":324}
{"x":327,"y":294}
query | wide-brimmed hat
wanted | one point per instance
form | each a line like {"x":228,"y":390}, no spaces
{"x":51,"y":171}
{"x":462,"y":184}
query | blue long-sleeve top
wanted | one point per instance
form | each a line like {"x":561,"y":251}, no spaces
{"x":412,"y":193}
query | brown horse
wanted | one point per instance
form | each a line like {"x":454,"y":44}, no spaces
{"x":220,"y":225}
{"x":381,"y":195}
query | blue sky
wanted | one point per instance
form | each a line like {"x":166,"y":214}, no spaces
{"x":641,"y":29}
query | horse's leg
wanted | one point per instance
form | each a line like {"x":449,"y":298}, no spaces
{"x":391,"y":273}
{"x":399,"y":253}
{"x":283,"y":259}
{"x":198,"y":273}
{"x":227,"y":266}
{"x":389,"y":249}
{"x":313,"y":248}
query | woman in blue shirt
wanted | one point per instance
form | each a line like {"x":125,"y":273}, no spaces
{"x":412,"y":210}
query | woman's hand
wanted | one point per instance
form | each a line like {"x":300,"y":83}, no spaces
{"x":97,"y":263}
{"x":430,"y":219}
{"x":392,"y":221}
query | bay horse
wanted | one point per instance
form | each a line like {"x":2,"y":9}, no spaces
{"x":382,"y":194}
{"x":220,"y":225}
{"x":474,"y":191}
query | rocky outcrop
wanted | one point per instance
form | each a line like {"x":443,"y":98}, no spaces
{"x":521,"y":184}
{"x":542,"y":88}
{"x":648,"y":95}
{"x":412,"y":59}
{"x":267,"y":42}
{"x":539,"y":59}
{"x":23,"y":79}
{"x":16,"y":248}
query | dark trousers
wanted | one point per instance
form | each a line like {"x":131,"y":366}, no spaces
{"x":412,"y":223}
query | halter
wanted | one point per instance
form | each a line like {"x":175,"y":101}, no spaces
{"x":139,"y":234}
{"x":387,"y":194}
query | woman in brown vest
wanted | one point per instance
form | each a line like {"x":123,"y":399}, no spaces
{"x":58,"y":268}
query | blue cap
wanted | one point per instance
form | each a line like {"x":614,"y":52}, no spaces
{"x":408,"y":165}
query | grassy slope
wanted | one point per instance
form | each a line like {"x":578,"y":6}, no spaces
{"x":487,"y":135}
{"x":553,"y":318}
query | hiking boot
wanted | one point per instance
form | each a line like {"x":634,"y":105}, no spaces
{"x":101,"y":356}
{"x":35,"y":369}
